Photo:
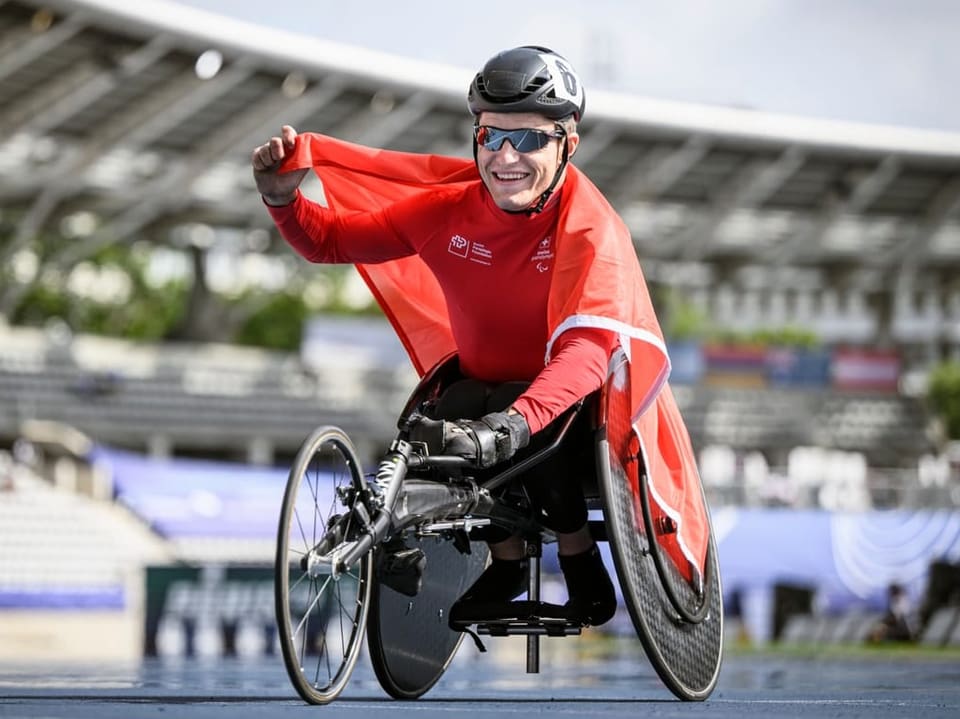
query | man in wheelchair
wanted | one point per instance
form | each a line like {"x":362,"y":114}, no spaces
{"x":515,"y":262}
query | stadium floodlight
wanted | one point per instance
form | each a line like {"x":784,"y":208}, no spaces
{"x":208,"y":64}
{"x":294,"y":85}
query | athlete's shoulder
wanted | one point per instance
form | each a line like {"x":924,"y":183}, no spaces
{"x":456,"y":193}
{"x":434,"y":207}
{"x":441,"y":197}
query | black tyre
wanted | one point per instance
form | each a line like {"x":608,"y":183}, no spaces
{"x":321,"y":614}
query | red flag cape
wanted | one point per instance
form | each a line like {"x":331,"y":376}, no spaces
{"x":597,"y":282}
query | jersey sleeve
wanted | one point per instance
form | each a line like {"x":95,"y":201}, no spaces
{"x":320,"y":235}
{"x":577,"y":368}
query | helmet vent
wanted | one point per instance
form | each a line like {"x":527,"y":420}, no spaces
{"x":484,"y":89}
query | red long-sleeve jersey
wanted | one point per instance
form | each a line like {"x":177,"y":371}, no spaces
{"x":494,"y":269}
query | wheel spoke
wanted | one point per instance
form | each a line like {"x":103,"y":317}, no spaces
{"x":306,"y":613}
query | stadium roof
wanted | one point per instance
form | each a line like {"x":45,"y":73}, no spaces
{"x":124,"y":120}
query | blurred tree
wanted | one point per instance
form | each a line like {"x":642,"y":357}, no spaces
{"x":682,"y":319}
{"x":276,"y":320}
{"x":943,"y":395}
{"x":112,"y":292}
{"x":788,"y":336}
{"x":107,"y":294}
{"x":277,"y":324}
{"x":206,"y":316}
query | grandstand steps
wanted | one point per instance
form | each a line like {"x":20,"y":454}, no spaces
{"x":943,"y":629}
{"x":206,"y":550}
{"x":203,"y":397}
{"x":66,"y":544}
{"x":71,"y":574}
{"x":890,"y":430}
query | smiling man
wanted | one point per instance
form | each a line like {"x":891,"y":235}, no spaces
{"x":516,"y":263}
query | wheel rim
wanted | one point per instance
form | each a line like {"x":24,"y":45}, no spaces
{"x":321,"y":616}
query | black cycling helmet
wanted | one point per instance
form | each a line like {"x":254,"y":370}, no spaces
{"x":528,"y":79}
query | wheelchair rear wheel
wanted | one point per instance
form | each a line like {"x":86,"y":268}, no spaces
{"x":680,"y":626}
{"x":686,"y":655}
{"x":321,"y":616}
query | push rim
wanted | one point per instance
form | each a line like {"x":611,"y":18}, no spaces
{"x":695,"y":610}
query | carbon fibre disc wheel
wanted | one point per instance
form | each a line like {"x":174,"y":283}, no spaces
{"x":685,"y":655}
{"x":321,"y":614}
{"x":410,"y":644}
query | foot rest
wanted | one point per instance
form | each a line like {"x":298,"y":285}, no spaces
{"x":524,"y":617}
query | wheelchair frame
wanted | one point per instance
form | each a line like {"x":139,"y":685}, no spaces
{"x":339,"y":530}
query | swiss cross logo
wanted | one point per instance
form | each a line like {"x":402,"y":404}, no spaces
{"x":459,"y":246}
{"x":542,"y":255}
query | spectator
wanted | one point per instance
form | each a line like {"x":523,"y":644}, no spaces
{"x":897,"y":623}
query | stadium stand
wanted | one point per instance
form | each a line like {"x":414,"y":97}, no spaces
{"x":136,"y":120}
{"x":236,"y":403}
{"x":255,"y":406}
{"x":61,"y":549}
{"x":853,"y":627}
{"x":77,"y":557}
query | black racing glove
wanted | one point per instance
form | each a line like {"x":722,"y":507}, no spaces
{"x":487,"y":441}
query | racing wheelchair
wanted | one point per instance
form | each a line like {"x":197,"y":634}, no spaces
{"x":385,"y":555}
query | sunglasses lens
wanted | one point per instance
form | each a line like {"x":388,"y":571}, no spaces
{"x":489,"y":137}
{"x":529,"y":140}
{"x":523,"y":140}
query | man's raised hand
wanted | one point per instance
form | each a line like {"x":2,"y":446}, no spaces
{"x":276,"y":188}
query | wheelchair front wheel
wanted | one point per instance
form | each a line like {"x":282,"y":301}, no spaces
{"x":321,"y":616}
